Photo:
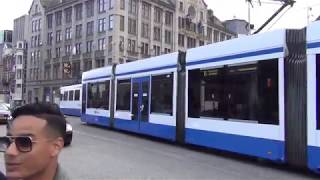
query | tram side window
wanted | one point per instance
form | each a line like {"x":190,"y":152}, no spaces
{"x":244,"y":92}
{"x":77,"y":95}
{"x":206,"y":93}
{"x":71,"y":95}
{"x":65,"y":96}
{"x":92,"y":91}
{"x":98,"y":95}
{"x":162,"y":94}
{"x":123,"y":95}
{"x":103,"y":95}
{"x":318,"y":90}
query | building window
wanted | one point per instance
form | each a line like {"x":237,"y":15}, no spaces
{"x":76,"y":69}
{"x":90,"y":28}
{"x":87,"y":65}
{"x":99,"y":63}
{"x":145,"y":30}
{"x":56,"y":71}
{"x":132,"y":26}
{"x":110,"y":22}
{"x":133,"y":4}
{"x":49,"y":54}
{"x":167,"y":50}
{"x":168,"y":37}
{"x":58,"y":52}
{"x":162,"y":94}
{"x":79,"y":31}
{"x":111,"y":4}
{"x":181,"y":6}
{"x":121,"y":44}
{"x":78,"y":9}
{"x":157,"y":15}
{"x":49,"y":38}
{"x":110,"y":44}
{"x":123,"y":95}
{"x":215,"y":36}
{"x":101,"y":44}
{"x":58,"y":18}
{"x":122,"y":4}
{"x":168,"y":18}
{"x":122,"y":23}
{"x":58,"y":36}
{"x":209,"y":33}
{"x":102,"y":25}
{"x":78,"y":48}
{"x":191,"y":42}
{"x":222,"y":36}
{"x":49,"y":21}
{"x":68,"y":33}
{"x":68,"y":15}
{"x":145,"y":10}
{"x":89,"y":46}
{"x":156,"y":50}
{"x":131,"y":45}
{"x":90,"y":8}
{"x":102,"y":5}
{"x":68,"y":50}
{"x":181,"y":40}
{"x":145,"y":49}
{"x":201,"y":43}
{"x":109,"y":61}
{"x":157,"y":34}
{"x":47,"y":72}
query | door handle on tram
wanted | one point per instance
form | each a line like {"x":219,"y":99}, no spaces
{"x":141,"y":108}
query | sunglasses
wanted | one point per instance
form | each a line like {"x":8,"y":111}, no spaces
{"x":23,"y":143}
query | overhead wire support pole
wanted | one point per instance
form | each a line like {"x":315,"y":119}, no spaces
{"x":286,"y":3}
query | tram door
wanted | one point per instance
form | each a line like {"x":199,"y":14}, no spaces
{"x":140,"y":99}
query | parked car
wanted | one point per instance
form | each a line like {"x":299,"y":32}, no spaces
{"x":68,"y":136}
{"x":4,"y":113}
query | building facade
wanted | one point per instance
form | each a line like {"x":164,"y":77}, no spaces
{"x":20,"y":46}
{"x":6,"y":65}
{"x":68,"y":37}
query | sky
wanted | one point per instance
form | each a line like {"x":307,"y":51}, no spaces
{"x":295,"y":17}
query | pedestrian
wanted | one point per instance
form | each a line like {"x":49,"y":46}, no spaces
{"x":38,"y":132}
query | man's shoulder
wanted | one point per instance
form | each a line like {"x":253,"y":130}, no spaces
{"x":61,"y":174}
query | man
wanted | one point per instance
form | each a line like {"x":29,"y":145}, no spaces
{"x":33,"y":143}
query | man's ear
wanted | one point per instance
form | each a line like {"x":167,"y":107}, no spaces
{"x":57,"y":146}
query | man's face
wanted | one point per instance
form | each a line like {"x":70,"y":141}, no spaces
{"x":45,"y":148}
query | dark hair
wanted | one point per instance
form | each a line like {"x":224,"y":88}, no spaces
{"x":49,"y":112}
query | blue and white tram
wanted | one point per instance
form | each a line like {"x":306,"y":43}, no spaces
{"x":144,"y":98}
{"x":96,"y":101}
{"x":70,"y":100}
{"x":313,"y":86}
{"x":255,"y":95}
{"x":236,"y":95}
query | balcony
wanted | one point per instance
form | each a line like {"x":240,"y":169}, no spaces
{"x":131,"y":53}
{"x":66,"y":58}
{"x":99,"y":54}
{"x":86,"y":55}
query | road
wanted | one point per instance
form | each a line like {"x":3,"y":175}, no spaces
{"x":98,"y":153}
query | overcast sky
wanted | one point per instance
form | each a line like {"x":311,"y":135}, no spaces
{"x":224,"y":9}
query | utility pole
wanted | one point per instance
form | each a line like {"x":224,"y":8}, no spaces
{"x":309,"y":14}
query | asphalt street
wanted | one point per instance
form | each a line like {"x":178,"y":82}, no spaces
{"x":98,"y":153}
